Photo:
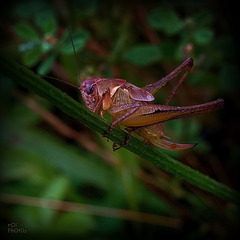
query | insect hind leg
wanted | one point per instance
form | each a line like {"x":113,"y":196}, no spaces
{"x":188,"y":65}
{"x":154,"y":87}
{"x":115,"y":123}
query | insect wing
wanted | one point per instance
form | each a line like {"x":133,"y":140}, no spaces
{"x":139,"y":94}
{"x":109,"y":83}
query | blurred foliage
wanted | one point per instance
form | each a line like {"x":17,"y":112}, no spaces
{"x":140,"y":42}
{"x":46,"y":44}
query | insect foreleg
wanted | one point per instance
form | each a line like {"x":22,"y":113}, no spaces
{"x":103,"y":103}
{"x":98,"y":106}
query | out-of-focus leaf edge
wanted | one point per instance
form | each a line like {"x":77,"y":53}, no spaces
{"x":36,"y":84}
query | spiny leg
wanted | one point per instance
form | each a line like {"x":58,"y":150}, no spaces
{"x":126,"y":141}
{"x":181,"y":79}
{"x":154,"y":87}
{"x":152,"y":114}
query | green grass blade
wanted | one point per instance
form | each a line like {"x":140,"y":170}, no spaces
{"x":34,"y":83}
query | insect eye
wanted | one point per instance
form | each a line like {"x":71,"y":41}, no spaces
{"x":89,"y":89}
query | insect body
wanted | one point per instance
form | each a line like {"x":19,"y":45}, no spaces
{"x":131,"y":106}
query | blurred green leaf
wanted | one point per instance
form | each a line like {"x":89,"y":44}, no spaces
{"x":143,"y":55}
{"x":166,"y":20}
{"x":28,"y":217}
{"x":32,"y":56}
{"x":50,"y":26}
{"x":203,"y":18}
{"x":25,"y":31}
{"x":75,"y":223}
{"x":192,"y":129}
{"x":47,"y":22}
{"x":80,"y":167}
{"x":119,"y":44}
{"x":56,"y":190}
{"x":176,"y":127}
{"x":15,"y":165}
{"x":197,"y":77}
{"x":46,"y":65}
{"x":79,"y":38}
{"x":47,"y":47}
{"x":24,"y":172}
{"x":203,"y":35}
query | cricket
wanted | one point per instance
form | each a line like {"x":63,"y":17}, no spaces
{"x":132,"y":106}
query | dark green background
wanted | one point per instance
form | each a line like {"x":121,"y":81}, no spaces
{"x":140,"y":42}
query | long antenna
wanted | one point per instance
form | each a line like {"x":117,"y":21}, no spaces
{"x":59,"y":80}
{"x":75,"y":55}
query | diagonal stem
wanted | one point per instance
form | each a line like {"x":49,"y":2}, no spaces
{"x":34,"y":83}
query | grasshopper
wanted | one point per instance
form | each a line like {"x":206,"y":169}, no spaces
{"x":131,"y":106}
